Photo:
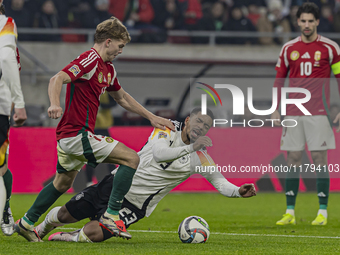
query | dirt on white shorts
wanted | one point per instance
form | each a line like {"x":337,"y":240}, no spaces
{"x":316,"y":131}
{"x":85,"y":148}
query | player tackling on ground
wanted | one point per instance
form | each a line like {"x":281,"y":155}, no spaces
{"x":309,"y":60}
{"x":166,"y":160}
{"x":88,"y":77}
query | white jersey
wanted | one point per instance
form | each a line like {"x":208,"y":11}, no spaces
{"x":165,"y":162}
{"x":10,"y":87}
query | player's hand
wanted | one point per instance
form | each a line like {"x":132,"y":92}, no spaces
{"x":202,"y":141}
{"x":162,"y":123}
{"x":54,"y":112}
{"x":19,"y":116}
{"x":337,"y":119}
{"x":247,"y":190}
{"x":277,"y":117}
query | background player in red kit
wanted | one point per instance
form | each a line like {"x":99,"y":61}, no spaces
{"x":89,"y":76}
{"x":309,"y":59}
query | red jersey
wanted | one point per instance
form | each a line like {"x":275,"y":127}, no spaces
{"x":309,"y":66}
{"x":90,"y":77}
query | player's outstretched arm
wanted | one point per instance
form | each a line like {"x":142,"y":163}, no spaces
{"x":129,"y":103}
{"x":247,"y":190}
{"x":54,"y":90}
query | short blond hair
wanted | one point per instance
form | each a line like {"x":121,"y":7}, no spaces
{"x":111,"y":28}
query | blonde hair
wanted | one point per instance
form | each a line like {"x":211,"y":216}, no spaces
{"x":111,"y":28}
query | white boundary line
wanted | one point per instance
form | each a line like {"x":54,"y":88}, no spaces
{"x":227,"y":234}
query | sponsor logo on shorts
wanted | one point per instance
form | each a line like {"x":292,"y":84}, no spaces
{"x":294,"y":55}
{"x":324,"y":144}
{"x":100,"y":77}
{"x":79,"y":196}
{"x":109,"y":139}
{"x":162,"y":135}
{"x":75,"y":70}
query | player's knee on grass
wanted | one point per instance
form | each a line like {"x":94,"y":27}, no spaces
{"x":64,"y":216}
{"x":95,"y":232}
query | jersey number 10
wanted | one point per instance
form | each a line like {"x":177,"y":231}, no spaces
{"x":305,"y":68}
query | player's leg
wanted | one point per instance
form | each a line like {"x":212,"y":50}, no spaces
{"x":322,"y":185}
{"x":320,"y":138}
{"x":95,"y":231}
{"x":4,"y":128}
{"x":294,"y":158}
{"x":293,"y":141}
{"x":47,"y":196}
{"x":128,"y":161}
{"x":7,"y":221}
{"x":70,"y":161}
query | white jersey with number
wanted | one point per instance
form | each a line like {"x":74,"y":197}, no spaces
{"x":165,"y":162}
{"x":10,"y":87}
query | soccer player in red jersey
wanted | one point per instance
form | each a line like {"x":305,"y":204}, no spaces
{"x":309,"y":60}
{"x":87,"y":77}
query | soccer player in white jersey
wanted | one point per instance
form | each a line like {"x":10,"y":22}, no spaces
{"x":309,"y":60}
{"x":167,"y":159}
{"x":11,"y":93}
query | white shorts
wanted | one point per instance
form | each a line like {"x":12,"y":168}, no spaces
{"x":316,"y":131}
{"x":85,"y":148}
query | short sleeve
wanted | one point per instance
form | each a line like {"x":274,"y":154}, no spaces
{"x":282,"y":64}
{"x":158,"y":134}
{"x":86,"y":63}
{"x":335,"y":63}
{"x":114,"y":85}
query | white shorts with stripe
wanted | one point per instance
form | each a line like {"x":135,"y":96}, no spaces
{"x":85,"y":148}
{"x":316,"y":131}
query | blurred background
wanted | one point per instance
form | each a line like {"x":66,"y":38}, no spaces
{"x":174,"y":44}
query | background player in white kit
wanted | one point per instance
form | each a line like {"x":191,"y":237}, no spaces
{"x":11,"y":93}
{"x":309,"y":60}
{"x":166,"y":160}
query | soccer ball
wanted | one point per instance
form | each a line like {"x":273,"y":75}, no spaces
{"x":193,"y":229}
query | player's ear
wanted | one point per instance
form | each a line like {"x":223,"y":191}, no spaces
{"x":108,"y":42}
{"x":317,"y":22}
{"x":187,"y":119}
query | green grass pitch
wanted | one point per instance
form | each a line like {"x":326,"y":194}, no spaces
{"x":238,"y":226}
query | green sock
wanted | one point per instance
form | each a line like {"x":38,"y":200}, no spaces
{"x":47,"y":196}
{"x":8,"y":180}
{"x":292,"y":188}
{"x":322,"y":187}
{"x":121,"y":185}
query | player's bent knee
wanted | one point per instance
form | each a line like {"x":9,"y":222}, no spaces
{"x":134,"y":161}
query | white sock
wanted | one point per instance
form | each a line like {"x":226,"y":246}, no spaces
{"x":291,"y":212}
{"x":81,"y":237}
{"x":52,"y":217}
{"x":2,"y":197}
{"x":323,"y":212}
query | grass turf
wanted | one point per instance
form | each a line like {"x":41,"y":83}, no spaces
{"x":238,"y":226}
